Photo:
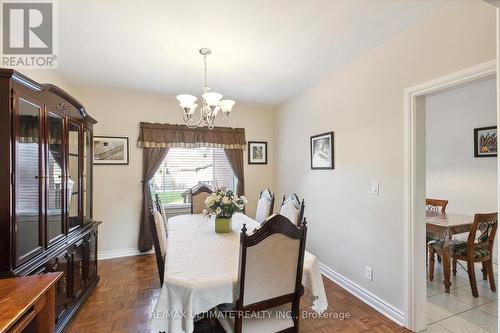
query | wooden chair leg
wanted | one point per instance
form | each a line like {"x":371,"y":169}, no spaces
{"x":454,"y":269}
{"x":484,"y":270}
{"x":472,"y":278}
{"x":491,"y":275}
{"x":431,"y":264}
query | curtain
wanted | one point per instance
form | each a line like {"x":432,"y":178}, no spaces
{"x":235,"y":158}
{"x":154,"y":135}
{"x":152,"y":159}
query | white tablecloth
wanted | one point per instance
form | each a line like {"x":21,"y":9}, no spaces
{"x":201,"y":272}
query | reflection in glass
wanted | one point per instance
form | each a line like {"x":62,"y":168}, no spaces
{"x":73,"y":171}
{"x":28,"y":178}
{"x":87,"y":165}
{"x":54,"y":176}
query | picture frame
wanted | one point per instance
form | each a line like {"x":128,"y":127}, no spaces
{"x":110,"y":150}
{"x":322,"y":151}
{"x":257,"y":152}
{"x":485,"y":141}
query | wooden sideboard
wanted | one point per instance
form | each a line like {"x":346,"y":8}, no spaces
{"x":28,"y":303}
{"x":46,"y":222}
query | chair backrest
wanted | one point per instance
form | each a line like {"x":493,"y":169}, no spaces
{"x":436,"y":205}
{"x":482,"y":232}
{"x":271,"y":266}
{"x":198,"y":197}
{"x":292,"y":208}
{"x":159,"y":236}
{"x":161,"y":209}
{"x":265,"y":206}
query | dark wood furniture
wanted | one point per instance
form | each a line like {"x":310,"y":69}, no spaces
{"x":159,"y":245}
{"x":198,"y":197}
{"x":46,"y":222}
{"x":28,"y":303}
{"x":443,"y":227}
{"x":478,"y":248}
{"x":253,"y":297}
{"x":436,"y":205}
{"x":299,"y":206}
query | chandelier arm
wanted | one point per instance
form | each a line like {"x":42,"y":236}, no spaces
{"x":190,"y":123}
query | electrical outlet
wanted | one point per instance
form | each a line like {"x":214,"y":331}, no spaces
{"x":375,"y":188}
{"x":369,"y":273}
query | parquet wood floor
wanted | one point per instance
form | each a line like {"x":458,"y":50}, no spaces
{"x":129,"y":288}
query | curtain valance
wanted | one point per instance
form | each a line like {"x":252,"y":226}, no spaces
{"x":155,"y":135}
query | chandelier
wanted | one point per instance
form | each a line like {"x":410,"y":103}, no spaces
{"x":212,"y":103}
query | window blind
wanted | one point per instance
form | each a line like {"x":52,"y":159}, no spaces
{"x":184,"y":168}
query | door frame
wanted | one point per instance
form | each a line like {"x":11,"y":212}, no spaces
{"x":414,"y":184}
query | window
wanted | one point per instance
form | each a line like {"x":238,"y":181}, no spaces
{"x":184,"y":168}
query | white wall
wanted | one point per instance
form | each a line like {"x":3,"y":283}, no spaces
{"x":363,"y":103}
{"x":453,"y":173}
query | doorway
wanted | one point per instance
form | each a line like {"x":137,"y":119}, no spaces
{"x":415,"y":183}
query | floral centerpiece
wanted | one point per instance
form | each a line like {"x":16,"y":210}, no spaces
{"x":223,"y":203}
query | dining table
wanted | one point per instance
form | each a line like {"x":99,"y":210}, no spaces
{"x":201,"y":271}
{"x":443,"y":227}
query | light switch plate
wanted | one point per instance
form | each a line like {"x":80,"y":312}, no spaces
{"x":375,"y":188}
{"x":369,"y":273}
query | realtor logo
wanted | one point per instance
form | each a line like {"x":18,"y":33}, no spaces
{"x":28,"y":34}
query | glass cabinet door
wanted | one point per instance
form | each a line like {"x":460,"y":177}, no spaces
{"x":54,"y":184}
{"x":73,"y":184}
{"x":28,"y":176}
{"x":87,"y":176}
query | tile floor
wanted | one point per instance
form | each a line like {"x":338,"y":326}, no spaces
{"x":459,"y":311}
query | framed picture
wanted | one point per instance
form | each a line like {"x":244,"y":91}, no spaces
{"x":110,"y":150}
{"x":322,"y":151}
{"x":485,"y":141}
{"x":257,"y":152}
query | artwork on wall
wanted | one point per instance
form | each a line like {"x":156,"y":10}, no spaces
{"x":257,"y":152}
{"x":485,"y":141}
{"x":322,"y":151}
{"x":110,"y":150}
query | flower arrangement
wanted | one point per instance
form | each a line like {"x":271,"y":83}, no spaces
{"x":224,"y":203}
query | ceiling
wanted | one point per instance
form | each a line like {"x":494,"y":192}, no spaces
{"x":263,"y":51}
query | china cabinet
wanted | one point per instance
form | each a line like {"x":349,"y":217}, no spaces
{"x":46,"y":222}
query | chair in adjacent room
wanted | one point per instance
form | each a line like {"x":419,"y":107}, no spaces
{"x":265,"y":205}
{"x":198,"y":196}
{"x":292,"y":208}
{"x":478,"y":248}
{"x":435,"y":206}
{"x":274,"y":254}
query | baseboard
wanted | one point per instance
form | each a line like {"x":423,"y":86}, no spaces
{"x":372,"y":300}
{"x":103,"y":255}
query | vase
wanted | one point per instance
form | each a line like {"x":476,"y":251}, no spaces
{"x":222,"y":224}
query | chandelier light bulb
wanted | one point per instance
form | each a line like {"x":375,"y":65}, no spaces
{"x":212,"y":98}
{"x":226,"y":105}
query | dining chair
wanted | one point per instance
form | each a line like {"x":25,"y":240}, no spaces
{"x":270,"y":278}
{"x":159,"y":236}
{"x":265,"y":205}
{"x":437,"y":206}
{"x":292,"y":208}
{"x":198,"y":196}
{"x":478,"y":248}
{"x":161,"y":209}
